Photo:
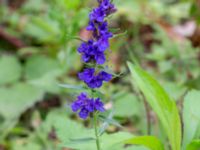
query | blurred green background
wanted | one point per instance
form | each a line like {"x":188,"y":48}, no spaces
{"x":38,"y":41}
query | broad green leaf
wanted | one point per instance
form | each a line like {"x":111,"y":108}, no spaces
{"x":74,"y":135}
{"x":38,"y":66}
{"x":26,"y":146}
{"x":150,"y":142}
{"x":70,"y":132}
{"x":10,"y":69}
{"x":127,"y":105}
{"x":42,"y":72}
{"x":43,"y":29}
{"x":48,"y":83}
{"x":191,"y":116}
{"x":161,"y":103}
{"x":111,"y":140}
{"x":194,"y":145}
{"x":16,"y":99}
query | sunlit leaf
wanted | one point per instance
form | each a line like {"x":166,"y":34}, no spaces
{"x":150,"y":142}
{"x":191,"y":117}
{"x":73,"y":135}
{"x":10,"y":69}
{"x":161,"y":103}
{"x":38,"y":66}
{"x":16,"y":99}
{"x":42,"y":72}
{"x":127,"y":105}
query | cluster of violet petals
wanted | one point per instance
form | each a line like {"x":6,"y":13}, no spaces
{"x":86,"y":105}
{"x":93,"y":51}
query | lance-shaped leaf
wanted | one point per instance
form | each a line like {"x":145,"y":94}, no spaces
{"x":191,"y":117}
{"x":150,"y":142}
{"x":161,"y":103}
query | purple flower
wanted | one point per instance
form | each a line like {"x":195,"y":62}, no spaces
{"x":103,"y":37}
{"x":91,"y":26}
{"x":92,"y":79}
{"x":108,"y":7}
{"x":103,"y":43}
{"x":83,"y":113}
{"x":87,"y":74}
{"x":99,"y":105}
{"x":97,"y":14}
{"x":100,"y":58}
{"x":103,"y":27}
{"x":95,"y":83}
{"x":79,"y":102}
{"x":93,"y":51}
{"x":85,"y":105}
{"x":105,"y":76}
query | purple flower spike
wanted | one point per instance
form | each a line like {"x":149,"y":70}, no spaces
{"x":93,"y":51}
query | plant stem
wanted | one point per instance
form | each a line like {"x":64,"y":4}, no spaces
{"x":148,"y":116}
{"x":96,"y":131}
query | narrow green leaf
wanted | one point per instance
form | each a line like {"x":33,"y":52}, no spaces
{"x":161,"y":103}
{"x":191,"y":117}
{"x":150,"y":142}
{"x":86,"y":139}
{"x":111,"y":121}
{"x":106,"y":122}
{"x":10,"y":69}
{"x":69,"y":86}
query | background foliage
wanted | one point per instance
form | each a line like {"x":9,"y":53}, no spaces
{"x":39,"y":65}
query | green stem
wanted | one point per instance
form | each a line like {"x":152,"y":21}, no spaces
{"x":96,"y":131}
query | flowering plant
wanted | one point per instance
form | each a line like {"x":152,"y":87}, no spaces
{"x":93,"y":51}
